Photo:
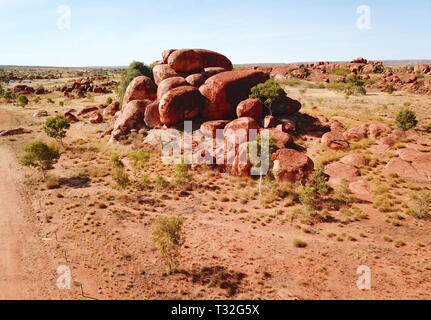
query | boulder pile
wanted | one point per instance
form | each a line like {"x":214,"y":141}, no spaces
{"x":201,"y":85}
{"x":83,"y":86}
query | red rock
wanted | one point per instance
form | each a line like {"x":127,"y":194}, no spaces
{"x":291,"y":165}
{"x":357,"y":133}
{"x":225,"y":90}
{"x":210,"y":128}
{"x":96,"y":118}
{"x":252,"y":108}
{"x":40,"y":113}
{"x":186,"y":60}
{"x":212,"y":71}
{"x":338,"y":171}
{"x":361,"y":189}
{"x":241,"y":165}
{"x":169,"y":84}
{"x":12,"y":132}
{"x":392,"y":138}
{"x":179,"y":104}
{"x":162,"y":72}
{"x":376,"y":130}
{"x":166,"y":55}
{"x":152,"y":115}
{"x":355,"y":160}
{"x":131,"y":117}
{"x":240,"y":131}
{"x":335,"y":140}
{"x":213,"y":59}
{"x":289,"y":107}
{"x":141,"y":88}
{"x":360,"y":60}
{"x":197,"y":79}
{"x":269,"y":122}
{"x":112,"y":109}
{"x":282,"y":139}
{"x":422,"y":68}
{"x":71,"y":117}
{"x":87,"y":110}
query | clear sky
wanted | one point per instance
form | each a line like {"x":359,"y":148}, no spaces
{"x":107,"y":32}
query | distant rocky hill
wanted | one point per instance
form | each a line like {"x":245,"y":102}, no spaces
{"x":385,"y":62}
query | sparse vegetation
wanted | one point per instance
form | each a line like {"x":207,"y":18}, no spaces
{"x":406,"y":119}
{"x":168,"y":235}
{"x":40,"y":155}
{"x":56,"y":127}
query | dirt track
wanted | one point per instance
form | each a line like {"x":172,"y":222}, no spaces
{"x":25,"y":270}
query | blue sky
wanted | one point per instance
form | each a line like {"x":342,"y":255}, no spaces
{"x":105,"y":32}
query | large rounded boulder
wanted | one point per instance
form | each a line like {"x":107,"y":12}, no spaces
{"x":291,"y":165}
{"x":241,"y":130}
{"x":179,"y":104}
{"x":162,"y":72}
{"x":152,"y":115}
{"x":224,"y":91}
{"x":186,"y":60}
{"x":211,"y":128}
{"x":169,"y":84}
{"x":214,"y":59}
{"x":131,"y":117}
{"x":141,"y":88}
{"x":252,"y":108}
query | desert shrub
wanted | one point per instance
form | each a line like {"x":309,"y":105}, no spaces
{"x":379,"y":69}
{"x":37,"y":100}
{"x":406,"y":119}
{"x":298,"y":243}
{"x":291,"y":82}
{"x":422,"y":205}
{"x":56,"y":127}
{"x":22,"y":100}
{"x":308,"y":196}
{"x":116,"y":162}
{"x":61,"y":103}
{"x":341,"y":72}
{"x":40,"y":155}
{"x":145,"y":182}
{"x":9,"y":96}
{"x":2,"y":90}
{"x":51,"y":182}
{"x":139,"y":159}
{"x":389,"y":88}
{"x":342,"y":191}
{"x":271,"y":94}
{"x":50,"y":101}
{"x":319,"y":181}
{"x":134,"y":70}
{"x":168,"y":235}
{"x":182,"y":173}
{"x":161,"y":182}
{"x":108,"y":101}
{"x":120,"y":176}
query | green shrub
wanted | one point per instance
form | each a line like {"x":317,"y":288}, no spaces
{"x":116,"y":162}
{"x":182,"y":173}
{"x":406,"y":119}
{"x":108,"y":101}
{"x":134,"y":70}
{"x":272,"y":96}
{"x":139,"y":159}
{"x":40,"y":155}
{"x":308,"y":196}
{"x":318,"y":180}
{"x":168,"y":235}
{"x":422,"y":205}
{"x":22,"y":100}
{"x":341,"y":72}
{"x":120,"y":176}
{"x":56,"y":127}
{"x":161,"y":182}
{"x":389,"y":88}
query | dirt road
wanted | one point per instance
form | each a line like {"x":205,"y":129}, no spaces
{"x":24,"y":272}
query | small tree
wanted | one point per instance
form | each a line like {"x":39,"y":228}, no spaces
{"x":40,"y":155}
{"x":22,"y":100}
{"x":169,"y":237}
{"x":56,"y":127}
{"x":406,"y":119}
{"x":271,"y":94}
{"x":389,"y":88}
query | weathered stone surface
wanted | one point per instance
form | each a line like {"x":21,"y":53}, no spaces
{"x":355,"y":160}
{"x":197,"y":79}
{"x":291,"y":165}
{"x":152,"y":115}
{"x":96,"y":118}
{"x":210,"y":128}
{"x":162,"y":72}
{"x":141,"y":88}
{"x":335,"y":140}
{"x":179,"y":104}
{"x":252,"y":108}
{"x":283,"y":140}
{"x":241,"y":131}
{"x":112,"y":109}
{"x":169,"y":84}
{"x":338,"y":171}
{"x":186,"y":60}
{"x":225,"y":90}
{"x":269,"y":122}
{"x":131,"y":117}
